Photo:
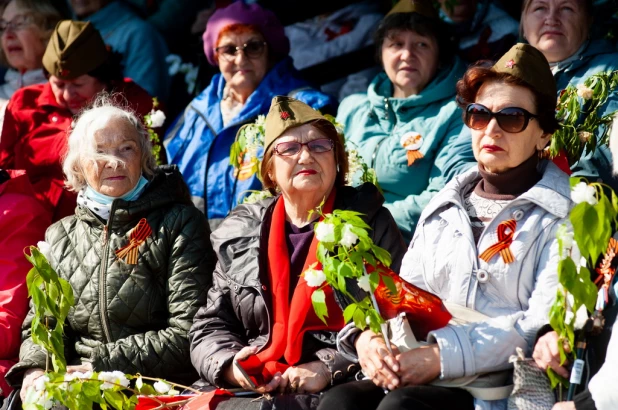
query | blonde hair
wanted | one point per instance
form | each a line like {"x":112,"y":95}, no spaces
{"x":45,"y":17}
{"x":82,"y":145}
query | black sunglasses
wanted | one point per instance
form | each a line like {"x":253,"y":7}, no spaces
{"x":252,"y":49}
{"x":510,"y":119}
{"x":289,"y":148}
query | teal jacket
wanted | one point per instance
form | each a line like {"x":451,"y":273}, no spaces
{"x":375,"y":122}
{"x":597,"y":56}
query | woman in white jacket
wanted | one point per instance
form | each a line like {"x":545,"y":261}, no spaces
{"x":487,"y":241}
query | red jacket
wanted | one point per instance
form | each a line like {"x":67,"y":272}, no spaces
{"x":34,"y":138}
{"x":22,"y":222}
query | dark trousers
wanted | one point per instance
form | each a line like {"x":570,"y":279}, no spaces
{"x":365,"y":395}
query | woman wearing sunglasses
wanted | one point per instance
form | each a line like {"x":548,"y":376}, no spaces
{"x":404,"y":125}
{"x":487,"y":241}
{"x":248,"y":44}
{"x":259,"y":309}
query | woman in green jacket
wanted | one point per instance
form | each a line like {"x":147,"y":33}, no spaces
{"x":136,"y":253}
{"x":404,"y":125}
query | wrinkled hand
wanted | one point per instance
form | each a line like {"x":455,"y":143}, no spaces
{"x":85,"y":348}
{"x":546,"y":354}
{"x":419,"y":366}
{"x":310,"y":377}
{"x":30,"y":377}
{"x":82,"y":368}
{"x":235,"y":377}
{"x":564,"y":405}
{"x":376,"y":361}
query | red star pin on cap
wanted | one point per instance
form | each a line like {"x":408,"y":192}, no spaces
{"x":285,"y":115}
{"x":510,"y":64}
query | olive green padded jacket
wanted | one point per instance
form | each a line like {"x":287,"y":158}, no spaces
{"x":132,"y":318}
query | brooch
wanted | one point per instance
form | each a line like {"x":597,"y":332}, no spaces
{"x":412,"y":142}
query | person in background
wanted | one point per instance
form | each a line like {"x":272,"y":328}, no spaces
{"x":482,"y":29}
{"x":249,"y":46}
{"x":142,"y":48}
{"x":560,"y":29}
{"x":38,"y":117}
{"x":136,"y":253}
{"x":455,"y":254}
{"x":26,"y":26}
{"x":22,"y":223}
{"x":259,"y":303}
{"x":404,"y":125}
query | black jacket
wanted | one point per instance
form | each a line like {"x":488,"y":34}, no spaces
{"x":238,"y":310}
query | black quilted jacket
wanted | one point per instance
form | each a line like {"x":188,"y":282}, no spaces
{"x":132,"y":318}
{"x":238,"y":310}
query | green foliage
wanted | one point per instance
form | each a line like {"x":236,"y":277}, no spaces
{"x":591,"y":222}
{"x":154,"y":137}
{"x":581,"y":127}
{"x":345,"y":249}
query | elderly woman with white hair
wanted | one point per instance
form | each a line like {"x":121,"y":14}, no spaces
{"x":136,"y":252}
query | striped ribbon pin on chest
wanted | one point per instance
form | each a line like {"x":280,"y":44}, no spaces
{"x":506,"y":232}
{"x":412,"y":142}
{"x":137,"y":236}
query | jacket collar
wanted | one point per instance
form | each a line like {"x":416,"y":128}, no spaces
{"x":280,"y":80}
{"x":552,"y":192}
{"x":590,"y":50}
{"x":47,"y":98}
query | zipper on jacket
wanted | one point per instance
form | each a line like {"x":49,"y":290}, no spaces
{"x":102,"y":294}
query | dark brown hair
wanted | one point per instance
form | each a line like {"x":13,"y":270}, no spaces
{"x":341,"y":158}
{"x":481,"y":73}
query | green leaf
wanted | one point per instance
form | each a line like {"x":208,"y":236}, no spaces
{"x":382,"y":255}
{"x":585,"y":291}
{"x":390,"y":284}
{"x":114,"y":398}
{"x":556,"y":379}
{"x":359,"y":319}
{"x":349,"y":311}
{"x":374,"y":280}
{"x":318,"y":300}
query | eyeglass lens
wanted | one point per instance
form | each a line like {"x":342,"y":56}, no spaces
{"x":292,"y":147}
{"x":17,"y":23}
{"x":510,"y":119}
{"x":252,"y":49}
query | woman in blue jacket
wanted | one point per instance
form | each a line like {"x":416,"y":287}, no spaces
{"x":404,"y":125}
{"x":249,"y":46}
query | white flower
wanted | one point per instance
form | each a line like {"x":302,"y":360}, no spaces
{"x":111,"y":379}
{"x":348,"y":238}
{"x":339,"y":129}
{"x":139,"y":383}
{"x":261,"y":120}
{"x":45,"y":400}
{"x":314,"y":277}
{"x":354,"y":163}
{"x":325,"y":232}
{"x":363,"y":283}
{"x":583,"y":192}
{"x":45,"y":249}
{"x":39,"y":383}
{"x":566,"y":237}
{"x":584,"y":136}
{"x":190,"y":79}
{"x":162,"y":387}
{"x":157,"y":118}
{"x":584,"y":92}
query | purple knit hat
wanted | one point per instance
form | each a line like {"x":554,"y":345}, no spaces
{"x":249,"y":14}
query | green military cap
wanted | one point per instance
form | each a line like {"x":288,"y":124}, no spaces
{"x":285,"y":113}
{"x":529,"y":65}
{"x":423,"y":7}
{"x":74,"y":49}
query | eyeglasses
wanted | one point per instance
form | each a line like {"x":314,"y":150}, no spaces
{"x":252,"y":49}
{"x":289,"y":148}
{"x":18,"y":23}
{"x":510,"y":119}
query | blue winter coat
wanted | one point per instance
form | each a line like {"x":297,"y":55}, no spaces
{"x":375,"y":122}
{"x":597,"y":56}
{"x":200,"y":145}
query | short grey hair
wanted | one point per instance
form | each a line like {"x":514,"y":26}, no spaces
{"x":82,"y":144}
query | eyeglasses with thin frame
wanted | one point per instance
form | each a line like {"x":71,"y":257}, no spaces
{"x":18,"y":23}
{"x":252,"y":49}
{"x":289,"y":148}
{"x":510,"y":119}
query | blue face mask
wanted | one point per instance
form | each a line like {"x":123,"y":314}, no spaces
{"x":132,"y":195}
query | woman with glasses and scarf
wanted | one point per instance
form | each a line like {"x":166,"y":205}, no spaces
{"x":249,"y":46}
{"x":259,"y":307}
{"x":487,"y":241}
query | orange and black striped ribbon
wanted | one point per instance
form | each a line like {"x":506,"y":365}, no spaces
{"x":138,"y":235}
{"x":413,"y":156}
{"x":506,"y":231}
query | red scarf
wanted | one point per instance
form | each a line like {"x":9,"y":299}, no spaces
{"x":292,"y":319}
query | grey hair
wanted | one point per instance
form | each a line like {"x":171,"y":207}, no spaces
{"x":82,"y":144}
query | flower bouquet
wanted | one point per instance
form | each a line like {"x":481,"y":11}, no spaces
{"x":349,"y":257}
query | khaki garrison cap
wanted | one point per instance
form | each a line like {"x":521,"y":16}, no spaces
{"x":423,"y":7}
{"x":529,"y":65}
{"x":74,"y":49}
